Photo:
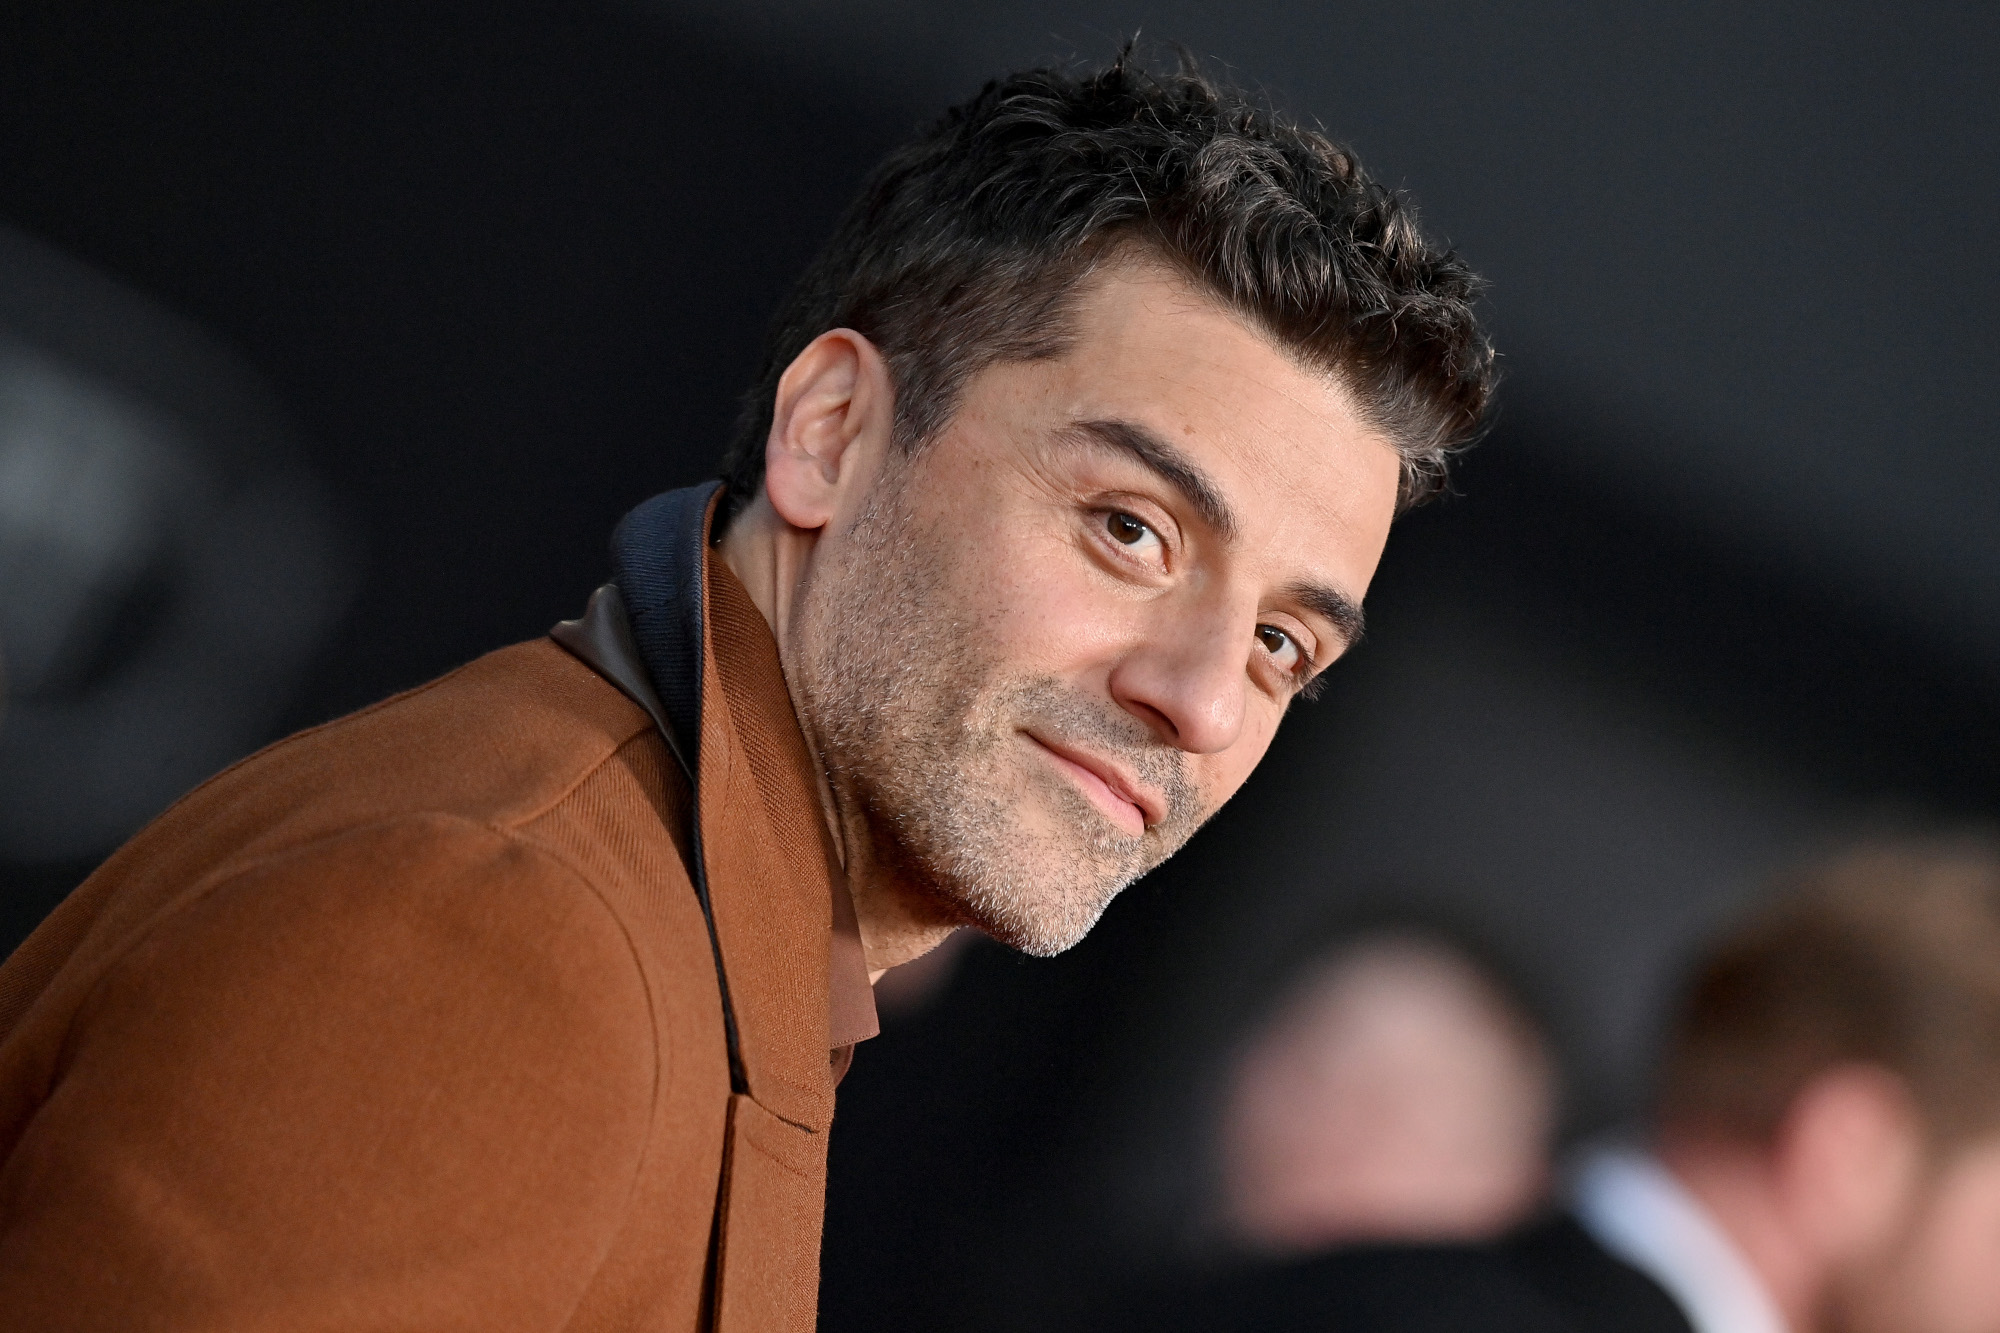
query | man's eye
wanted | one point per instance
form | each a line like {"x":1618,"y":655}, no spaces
{"x":1282,"y":647}
{"x":1129,"y":531}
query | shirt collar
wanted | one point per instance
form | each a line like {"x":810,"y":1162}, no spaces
{"x":1634,"y":1207}
{"x":850,"y":1015}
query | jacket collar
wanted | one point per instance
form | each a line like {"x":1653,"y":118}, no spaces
{"x":679,"y":634}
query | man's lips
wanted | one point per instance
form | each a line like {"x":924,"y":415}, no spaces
{"x":1126,"y":802}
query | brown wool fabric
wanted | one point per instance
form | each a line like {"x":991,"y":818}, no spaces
{"x":411,"y":1022}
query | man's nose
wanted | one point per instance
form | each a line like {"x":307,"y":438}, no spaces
{"x":1187,"y":683}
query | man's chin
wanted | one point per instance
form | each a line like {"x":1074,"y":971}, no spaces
{"x":1036,"y":921}
{"x":1038,"y":939}
{"x":1036,"y":879}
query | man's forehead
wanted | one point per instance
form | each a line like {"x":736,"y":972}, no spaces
{"x":1150,"y":344}
{"x":1149,"y":310}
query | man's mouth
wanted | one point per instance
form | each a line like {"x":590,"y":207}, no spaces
{"x":1123,"y":800}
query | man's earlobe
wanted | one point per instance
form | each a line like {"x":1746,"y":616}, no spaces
{"x":830,"y":427}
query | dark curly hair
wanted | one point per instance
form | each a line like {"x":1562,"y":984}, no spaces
{"x":966,"y":247}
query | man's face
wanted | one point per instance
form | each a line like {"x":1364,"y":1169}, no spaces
{"x":1942,"y":1272}
{"x":1043,"y":651}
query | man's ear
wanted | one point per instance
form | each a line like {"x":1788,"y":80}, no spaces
{"x":831,"y":424}
{"x":1849,"y":1158}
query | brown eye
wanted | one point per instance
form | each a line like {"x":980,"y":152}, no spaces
{"x":1125,"y":529}
{"x":1138,"y":537}
{"x":1284,"y":649}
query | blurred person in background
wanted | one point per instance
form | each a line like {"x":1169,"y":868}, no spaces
{"x":1399,"y":1092}
{"x":1828,"y":1149}
{"x":519,"y":1000}
{"x":1825,"y":1155}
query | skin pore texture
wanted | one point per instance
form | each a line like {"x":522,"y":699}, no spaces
{"x":1853,"y":1221}
{"x":1035,"y":655}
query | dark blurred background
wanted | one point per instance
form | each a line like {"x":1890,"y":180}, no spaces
{"x":333,"y":342}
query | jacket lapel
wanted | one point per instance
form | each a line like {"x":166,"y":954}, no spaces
{"x":773,"y":871}
{"x":764,"y":865}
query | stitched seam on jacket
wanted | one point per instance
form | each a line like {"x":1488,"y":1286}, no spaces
{"x":641,"y":729}
{"x":555,"y":855}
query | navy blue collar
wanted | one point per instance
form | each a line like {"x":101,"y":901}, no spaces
{"x":659,"y":558}
{"x":659,"y":562}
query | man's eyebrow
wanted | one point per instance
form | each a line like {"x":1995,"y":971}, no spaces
{"x":1170,"y":464}
{"x":1334,"y":606}
{"x":1181,"y":472}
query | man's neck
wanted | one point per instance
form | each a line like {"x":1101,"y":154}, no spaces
{"x":771,"y":558}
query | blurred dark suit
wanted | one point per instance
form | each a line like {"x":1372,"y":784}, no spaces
{"x":1550,"y":1278}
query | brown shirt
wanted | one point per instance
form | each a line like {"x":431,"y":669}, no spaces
{"x":412,"y":1022}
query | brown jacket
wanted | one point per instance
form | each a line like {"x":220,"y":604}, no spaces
{"x":412,"y":1021}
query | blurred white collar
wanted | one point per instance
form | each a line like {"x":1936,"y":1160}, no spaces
{"x":1632,"y":1206}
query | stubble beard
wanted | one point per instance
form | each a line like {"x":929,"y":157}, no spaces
{"x":919,"y":727}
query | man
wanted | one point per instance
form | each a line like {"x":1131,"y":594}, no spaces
{"x":1827,"y":1156}
{"x":1829,"y":1145}
{"x":519,"y":1001}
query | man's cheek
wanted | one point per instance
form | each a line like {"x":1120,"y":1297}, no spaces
{"x":1050,"y":625}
